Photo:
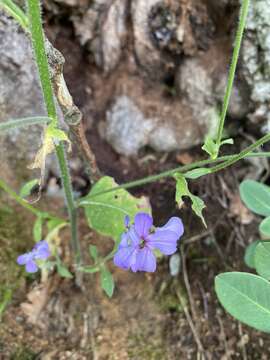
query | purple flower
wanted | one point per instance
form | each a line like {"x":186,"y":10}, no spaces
{"x":40,"y":251}
{"x":135,"y":250}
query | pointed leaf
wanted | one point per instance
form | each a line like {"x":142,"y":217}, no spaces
{"x":107,"y":282}
{"x":27,"y":188}
{"x":93,"y":252}
{"x":246,"y":297}
{"x":63,"y":270}
{"x":182,"y":190}
{"x":197,"y":173}
{"x":37,"y":229}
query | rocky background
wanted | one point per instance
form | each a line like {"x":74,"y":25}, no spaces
{"x":157,"y":72}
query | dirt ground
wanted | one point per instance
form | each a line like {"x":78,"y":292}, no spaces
{"x":151,"y":316}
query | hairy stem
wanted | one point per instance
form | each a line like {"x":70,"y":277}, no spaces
{"x":235,"y":57}
{"x":18,"y":199}
{"x":23,"y":122}
{"x":38,"y":40}
{"x":182,"y":169}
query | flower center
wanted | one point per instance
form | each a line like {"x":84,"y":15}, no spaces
{"x":142,"y":243}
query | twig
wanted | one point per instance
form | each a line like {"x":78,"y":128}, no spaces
{"x":72,"y":115}
{"x":243,"y":345}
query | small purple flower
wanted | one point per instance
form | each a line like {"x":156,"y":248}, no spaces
{"x":135,"y":250}
{"x":40,"y":251}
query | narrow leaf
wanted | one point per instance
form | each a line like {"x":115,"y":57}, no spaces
{"x":197,"y":173}
{"x":107,"y":282}
{"x":93,"y":252}
{"x":246,"y":297}
{"x":24,"y":122}
{"x":37,"y":229}
{"x":256,"y":197}
{"x":13,"y":9}
{"x":63,"y":271}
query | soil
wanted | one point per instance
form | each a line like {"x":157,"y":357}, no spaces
{"x":150,"y":315}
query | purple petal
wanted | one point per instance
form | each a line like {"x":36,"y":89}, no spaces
{"x":125,"y":257}
{"x":146,"y":260}
{"x":174,"y":224}
{"x":143,"y":223}
{"x":129,"y":238}
{"x":31,"y":266}
{"x":42,"y":250}
{"x":24,"y":258}
{"x":164,"y":240}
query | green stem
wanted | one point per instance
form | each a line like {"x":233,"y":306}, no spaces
{"x":18,"y":199}
{"x":38,"y":40}
{"x":23,"y":122}
{"x":12,"y":9}
{"x":235,"y":57}
{"x":72,"y":211}
{"x":185,"y":168}
{"x":243,"y":154}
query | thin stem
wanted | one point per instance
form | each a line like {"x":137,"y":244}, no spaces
{"x":12,"y":9}
{"x":72,"y":211}
{"x":185,"y":168}
{"x":23,"y":122}
{"x":235,"y":57}
{"x":38,"y":40}
{"x":243,"y":154}
{"x":18,"y":199}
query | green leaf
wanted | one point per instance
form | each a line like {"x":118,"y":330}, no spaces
{"x":249,"y":257}
{"x":197,"y":173}
{"x":262,"y":259}
{"x":229,"y":141}
{"x":62,"y":269}
{"x":107,"y":282}
{"x":27,"y":188}
{"x":106,"y":212}
{"x":246,"y":297}
{"x":182,"y":190}
{"x":210,"y":147}
{"x":265,"y":227}
{"x":93,"y":252}
{"x":256,"y":197}
{"x":12,"y":9}
{"x":37,"y":229}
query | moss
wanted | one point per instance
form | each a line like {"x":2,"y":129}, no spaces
{"x":15,"y":238}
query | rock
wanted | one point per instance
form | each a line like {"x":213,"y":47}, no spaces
{"x":20,"y":96}
{"x":256,"y":59}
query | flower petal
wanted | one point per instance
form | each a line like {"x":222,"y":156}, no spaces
{"x":164,"y":240}
{"x":125,"y":257}
{"x":146,"y":260}
{"x":31,"y":266}
{"x":24,"y":258}
{"x":143,"y":223}
{"x":42,"y":250}
{"x":174,"y":224}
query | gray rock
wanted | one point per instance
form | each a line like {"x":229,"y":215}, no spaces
{"x":256,"y":58}
{"x":20,"y":96}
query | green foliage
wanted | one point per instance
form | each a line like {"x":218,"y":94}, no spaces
{"x":13,"y":9}
{"x":62,"y":269}
{"x":256,"y":197}
{"x":106,"y":212}
{"x":265,"y":227}
{"x":23,"y":122}
{"x":249,"y":257}
{"x":262,"y":259}
{"x":107,"y":282}
{"x":27,"y":188}
{"x":210,"y":147}
{"x":197,"y":173}
{"x":182,"y":190}
{"x":246,"y":297}
{"x":37,"y":229}
{"x":93,"y":252}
